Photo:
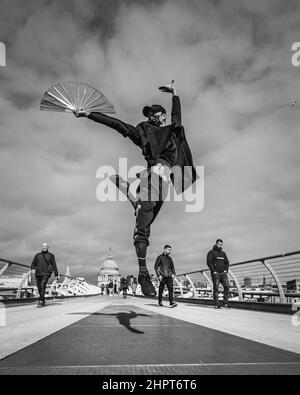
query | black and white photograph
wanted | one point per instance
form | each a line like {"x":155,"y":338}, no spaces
{"x":149,"y":190}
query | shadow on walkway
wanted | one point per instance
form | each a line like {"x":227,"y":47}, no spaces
{"x":123,"y":318}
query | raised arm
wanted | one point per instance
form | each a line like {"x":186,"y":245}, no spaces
{"x":125,"y":129}
{"x":176,"y":111}
{"x":176,"y":106}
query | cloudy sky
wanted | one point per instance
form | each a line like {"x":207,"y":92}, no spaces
{"x":231,"y":61}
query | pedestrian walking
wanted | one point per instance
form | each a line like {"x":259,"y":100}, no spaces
{"x":165,"y":271}
{"x":43,"y":265}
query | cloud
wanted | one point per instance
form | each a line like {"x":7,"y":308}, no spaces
{"x":231,"y":64}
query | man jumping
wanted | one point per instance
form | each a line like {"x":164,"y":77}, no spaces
{"x":164,"y":147}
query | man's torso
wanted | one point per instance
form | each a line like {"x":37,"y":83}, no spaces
{"x":44,"y":264}
{"x":165,"y":266}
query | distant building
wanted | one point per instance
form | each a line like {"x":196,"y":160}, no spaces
{"x":293,"y":286}
{"x":248,"y":282}
{"x":109,"y":271}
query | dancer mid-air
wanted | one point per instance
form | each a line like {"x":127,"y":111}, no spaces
{"x":164,"y":147}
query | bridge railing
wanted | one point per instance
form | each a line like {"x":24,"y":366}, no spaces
{"x":16,"y":281}
{"x":269,"y":279}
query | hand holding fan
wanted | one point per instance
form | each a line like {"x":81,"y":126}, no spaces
{"x":76,"y":97}
{"x":168,"y":88}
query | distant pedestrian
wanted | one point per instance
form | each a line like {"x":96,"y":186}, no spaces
{"x":43,"y":265}
{"x":102,"y":289}
{"x":115,"y":288}
{"x":110,"y":288}
{"x":165,"y":271}
{"x":218,"y":264}
{"x":124,"y":287}
{"x":134,"y":286}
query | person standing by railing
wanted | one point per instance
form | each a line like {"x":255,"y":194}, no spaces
{"x":218,"y":264}
{"x":165,"y":271}
{"x":43,"y":265}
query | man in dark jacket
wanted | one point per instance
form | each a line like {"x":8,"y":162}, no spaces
{"x":43,"y":265}
{"x":165,"y":271}
{"x":218,"y":264}
{"x":163,"y":147}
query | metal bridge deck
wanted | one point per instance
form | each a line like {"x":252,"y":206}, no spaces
{"x":105,"y":335}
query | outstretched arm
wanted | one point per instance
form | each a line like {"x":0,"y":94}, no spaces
{"x":123,"y":128}
{"x":176,"y":106}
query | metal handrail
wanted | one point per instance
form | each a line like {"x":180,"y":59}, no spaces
{"x":245,"y":262}
{"x":268,"y":263}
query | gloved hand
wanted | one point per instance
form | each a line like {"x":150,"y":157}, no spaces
{"x":80,"y":113}
{"x":168,"y":88}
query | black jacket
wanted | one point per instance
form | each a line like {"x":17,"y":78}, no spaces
{"x":164,"y":266}
{"x":44,"y":264}
{"x":168,"y":142}
{"x":217,"y":260}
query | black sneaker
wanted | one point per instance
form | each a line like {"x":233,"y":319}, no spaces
{"x":226,"y":305}
{"x":40,"y":304}
{"x":217,"y":306}
{"x":160,"y":305}
{"x":173,"y":305}
{"x":146,"y":284}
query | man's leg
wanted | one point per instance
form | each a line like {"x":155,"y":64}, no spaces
{"x":225,"y":282}
{"x":161,"y":290}
{"x":124,"y":186}
{"x":216,"y":288}
{"x":44,"y":281}
{"x":38,"y":284}
{"x":170,"y":289}
{"x":147,"y":210}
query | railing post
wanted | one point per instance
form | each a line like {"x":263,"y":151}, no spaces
{"x":277,"y":281}
{"x":4,"y":268}
{"x":179,"y":285}
{"x":192,"y":284}
{"x":208,"y":279}
{"x":62,"y":286}
{"x":52,"y":286}
{"x":238,"y":285}
{"x":24,"y":278}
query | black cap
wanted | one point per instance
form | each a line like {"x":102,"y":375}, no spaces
{"x":153,"y":109}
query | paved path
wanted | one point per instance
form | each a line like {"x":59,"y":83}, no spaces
{"x":105,"y":335}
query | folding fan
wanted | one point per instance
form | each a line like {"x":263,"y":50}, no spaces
{"x":72,"y":96}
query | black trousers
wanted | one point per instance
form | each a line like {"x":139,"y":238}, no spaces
{"x":153,"y":191}
{"x":41,"y":282}
{"x":221,"y":278}
{"x":166,"y":281}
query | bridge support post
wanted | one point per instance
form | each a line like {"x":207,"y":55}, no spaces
{"x":24,"y":278}
{"x":208,"y":279}
{"x":238,"y":285}
{"x":192,"y":284}
{"x":179,"y":285}
{"x":52,"y":287}
{"x":277,"y":281}
{"x":5,"y":267}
